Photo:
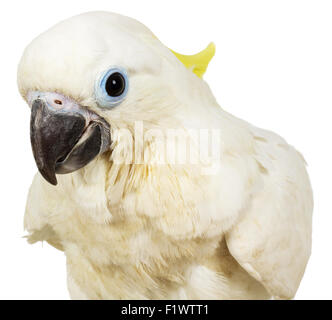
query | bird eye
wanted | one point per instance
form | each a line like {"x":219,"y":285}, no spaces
{"x":112,"y":87}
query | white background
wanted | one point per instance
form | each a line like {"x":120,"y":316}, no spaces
{"x":273,"y":68}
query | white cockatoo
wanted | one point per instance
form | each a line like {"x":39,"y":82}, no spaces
{"x":229,"y":219}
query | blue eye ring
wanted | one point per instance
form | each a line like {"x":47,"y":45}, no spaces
{"x":103,"y":98}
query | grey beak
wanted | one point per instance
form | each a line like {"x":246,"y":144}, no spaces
{"x":63,"y":142}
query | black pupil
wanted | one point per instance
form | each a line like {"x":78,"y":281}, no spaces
{"x":115,"y":84}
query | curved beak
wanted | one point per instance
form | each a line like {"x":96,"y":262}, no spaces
{"x":64,"y":135}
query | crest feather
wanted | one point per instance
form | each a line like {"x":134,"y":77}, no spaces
{"x":198,"y":62}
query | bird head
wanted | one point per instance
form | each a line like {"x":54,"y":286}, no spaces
{"x":93,"y":74}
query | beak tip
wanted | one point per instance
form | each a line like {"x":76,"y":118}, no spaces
{"x":50,"y":178}
{"x":54,"y":183}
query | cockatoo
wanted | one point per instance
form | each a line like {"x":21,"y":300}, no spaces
{"x":133,"y":222}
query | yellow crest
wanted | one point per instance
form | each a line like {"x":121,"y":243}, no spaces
{"x":198,"y":62}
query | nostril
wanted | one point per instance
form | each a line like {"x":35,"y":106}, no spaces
{"x":58,"y":102}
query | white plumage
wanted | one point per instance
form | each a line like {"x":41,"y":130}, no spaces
{"x":164,"y":231}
